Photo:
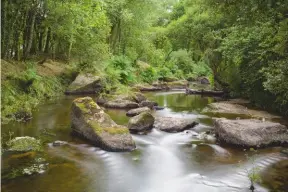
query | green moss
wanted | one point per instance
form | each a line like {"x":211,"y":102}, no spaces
{"x":83,"y":107}
{"x":92,"y":104}
{"x":96,"y":127}
{"x":24,"y":144}
{"x":116,"y":130}
{"x":111,"y":130}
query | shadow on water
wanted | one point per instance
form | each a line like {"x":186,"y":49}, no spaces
{"x":162,"y":162}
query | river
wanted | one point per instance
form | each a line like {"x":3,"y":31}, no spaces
{"x":162,"y":162}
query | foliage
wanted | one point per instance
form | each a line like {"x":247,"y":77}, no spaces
{"x":244,"y":43}
{"x":20,"y":93}
{"x":242,"y":46}
{"x":122,"y":68}
{"x":148,"y":75}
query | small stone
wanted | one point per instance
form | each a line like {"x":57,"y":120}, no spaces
{"x":59,"y":143}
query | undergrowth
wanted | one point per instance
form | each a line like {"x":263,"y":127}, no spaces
{"x":20,"y":93}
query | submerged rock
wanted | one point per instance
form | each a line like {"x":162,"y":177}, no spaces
{"x":208,"y":138}
{"x":149,"y":104}
{"x":59,"y":143}
{"x":158,"y":107}
{"x":121,"y":104}
{"x":24,"y":166}
{"x":93,"y":124}
{"x":275,"y":176}
{"x":250,"y":132}
{"x":85,"y":84}
{"x":24,"y":144}
{"x":171,"y":124}
{"x":141,"y":122}
{"x":137,"y":111}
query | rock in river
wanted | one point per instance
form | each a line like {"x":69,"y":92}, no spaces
{"x":93,"y":124}
{"x":85,"y":84}
{"x":137,"y":111}
{"x":250,"y":132}
{"x":121,"y":104}
{"x":142,"y":122}
{"x":148,"y":103}
{"x":23,"y":144}
{"x":171,"y":124}
{"x":230,"y":110}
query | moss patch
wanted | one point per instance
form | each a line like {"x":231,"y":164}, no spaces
{"x":116,"y":130}
{"x":23,"y":144}
{"x":96,"y":127}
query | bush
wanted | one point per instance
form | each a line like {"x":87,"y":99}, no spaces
{"x":123,"y":69}
{"x":148,"y":75}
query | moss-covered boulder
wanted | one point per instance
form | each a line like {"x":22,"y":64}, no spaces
{"x":24,"y":144}
{"x":137,"y":111}
{"x":141,"y":123}
{"x":85,"y":84}
{"x":93,"y":124}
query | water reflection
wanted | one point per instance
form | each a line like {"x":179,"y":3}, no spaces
{"x":162,"y":162}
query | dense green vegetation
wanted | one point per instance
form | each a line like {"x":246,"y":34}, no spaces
{"x":242,"y":46}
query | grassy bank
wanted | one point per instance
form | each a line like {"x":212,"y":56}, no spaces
{"x":26,"y":84}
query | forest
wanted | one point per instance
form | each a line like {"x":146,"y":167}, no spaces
{"x":241,"y":46}
{"x":144,"y":95}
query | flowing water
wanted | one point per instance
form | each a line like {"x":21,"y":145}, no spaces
{"x":162,"y":162}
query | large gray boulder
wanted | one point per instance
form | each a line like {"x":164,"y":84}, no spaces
{"x":85,"y":84}
{"x":172,"y":124}
{"x":93,"y":124}
{"x":137,"y":111}
{"x":250,"y":132}
{"x":121,"y":104}
{"x":140,"y":123}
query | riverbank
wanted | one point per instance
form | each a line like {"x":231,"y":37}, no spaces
{"x":26,"y":84}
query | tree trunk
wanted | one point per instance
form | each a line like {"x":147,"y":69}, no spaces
{"x":16,"y":45}
{"x":48,"y":39}
{"x":40,"y":40}
{"x":70,"y":47}
{"x":30,"y":34}
{"x":3,"y":34}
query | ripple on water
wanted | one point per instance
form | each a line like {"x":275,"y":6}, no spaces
{"x":162,"y":162}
